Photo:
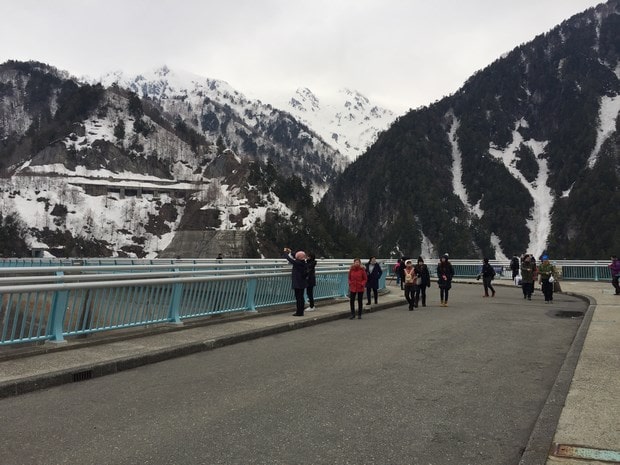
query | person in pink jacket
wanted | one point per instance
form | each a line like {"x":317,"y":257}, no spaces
{"x":357,"y":284}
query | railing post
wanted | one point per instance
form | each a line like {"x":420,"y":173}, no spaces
{"x":175,"y":303}
{"x":595,"y":270}
{"x":57,"y":316}
{"x":344,"y":284}
{"x":251,"y":285}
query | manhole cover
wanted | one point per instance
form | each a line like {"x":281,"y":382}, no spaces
{"x":567,"y":314}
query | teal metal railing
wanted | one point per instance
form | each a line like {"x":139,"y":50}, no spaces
{"x":61,"y":302}
{"x":52,"y":300}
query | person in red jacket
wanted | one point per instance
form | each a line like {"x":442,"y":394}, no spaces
{"x":357,"y":284}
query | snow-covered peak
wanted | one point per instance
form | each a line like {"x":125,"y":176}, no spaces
{"x":346,"y":120}
{"x":162,"y":82}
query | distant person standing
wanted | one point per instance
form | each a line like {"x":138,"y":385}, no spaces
{"x":298,"y":277}
{"x":614,"y":268}
{"x":445,"y":273}
{"x":357,"y":283}
{"x":423,"y":280}
{"x":373,"y":272}
{"x":528,"y":272}
{"x":401,"y":272}
{"x":514,"y":266}
{"x":547,"y":273}
{"x":410,"y":284}
{"x":488,"y":274}
{"x":311,"y":273}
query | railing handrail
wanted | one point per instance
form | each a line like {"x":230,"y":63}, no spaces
{"x":125,"y":280}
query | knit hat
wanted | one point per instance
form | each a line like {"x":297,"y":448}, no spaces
{"x":409,"y":262}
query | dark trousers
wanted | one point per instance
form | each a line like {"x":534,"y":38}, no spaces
{"x":360,"y":298}
{"x":486,"y":282}
{"x":310,"y":292}
{"x":420,"y":291}
{"x":547,"y":289}
{"x":614,"y":283}
{"x":375,"y":292}
{"x":527,"y":289}
{"x":410,"y":295}
{"x":443,"y":294}
{"x":299,"y":301}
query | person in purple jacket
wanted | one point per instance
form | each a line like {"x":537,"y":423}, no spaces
{"x":614,"y":268}
{"x":299,"y":277}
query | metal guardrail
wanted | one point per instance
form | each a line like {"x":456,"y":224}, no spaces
{"x":42,"y":303}
{"x":53,"y":299}
{"x":577,"y":270}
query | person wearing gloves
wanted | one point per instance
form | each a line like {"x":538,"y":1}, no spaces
{"x":299,"y":277}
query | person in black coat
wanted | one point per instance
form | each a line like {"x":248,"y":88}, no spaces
{"x":374,"y":272}
{"x":487,"y":273}
{"x":299,"y":277}
{"x":421,"y":270}
{"x":310,"y":270}
{"x":445,"y":273}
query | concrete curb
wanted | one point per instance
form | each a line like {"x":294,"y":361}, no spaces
{"x":541,"y":438}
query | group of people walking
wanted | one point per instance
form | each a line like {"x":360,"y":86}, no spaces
{"x":527,"y":272}
{"x":360,"y":279}
{"x":415,"y":279}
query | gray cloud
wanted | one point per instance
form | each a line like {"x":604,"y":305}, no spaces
{"x":402,"y":54}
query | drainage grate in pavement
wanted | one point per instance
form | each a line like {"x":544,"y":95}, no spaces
{"x":82,"y":375}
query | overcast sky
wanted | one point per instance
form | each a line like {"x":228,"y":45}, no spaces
{"x":399,"y":53}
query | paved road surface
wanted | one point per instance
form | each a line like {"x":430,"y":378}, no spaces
{"x":457,"y":385}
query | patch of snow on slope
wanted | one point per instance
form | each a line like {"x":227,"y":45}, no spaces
{"x":104,"y":217}
{"x":457,"y":171}
{"x":608,"y":113}
{"x":427,"y":249}
{"x":496,"y":243}
{"x":540,"y":222}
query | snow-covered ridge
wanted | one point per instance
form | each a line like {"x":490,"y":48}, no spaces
{"x":347,"y":120}
{"x":215,"y":109}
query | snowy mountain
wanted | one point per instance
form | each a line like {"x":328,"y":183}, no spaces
{"x":96,"y":171}
{"x":348,"y":121}
{"x":525,"y":157}
{"x":250,"y":128}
